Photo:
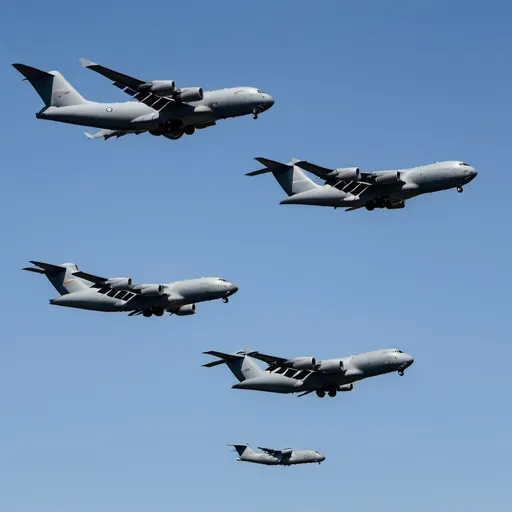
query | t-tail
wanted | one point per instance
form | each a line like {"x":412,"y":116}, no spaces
{"x":61,"y":276}
{"x":291,"y":177}
{"x":243,"y":450}
{"x":241,"y":366}
{"x":51,"y":86}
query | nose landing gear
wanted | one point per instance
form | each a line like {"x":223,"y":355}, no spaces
{"x":401,"y":373}
{"x":255,"y":114}
{"x":460,"y":190}
{"x":225,"y":300}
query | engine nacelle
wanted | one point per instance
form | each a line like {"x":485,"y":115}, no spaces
{"x":286,"y":453}
{"x":347,"y":174}
{"x":119,"y":283}
{"x":331,"y":366}
{"x":188,"y":94}
{"x":302,"y":363}
{"x":388,"y":178}
{"x":346,"y":387}
{"x":160,"y":87}
{"x":153,"y":290}
{"x":189,"y":309}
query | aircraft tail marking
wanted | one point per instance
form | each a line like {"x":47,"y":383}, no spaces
{"x":291,"y":177}
{"x":51,"y":86}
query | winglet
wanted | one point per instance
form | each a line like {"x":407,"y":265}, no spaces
{"x":86,"y":63}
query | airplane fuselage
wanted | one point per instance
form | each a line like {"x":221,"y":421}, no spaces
{"x":175,"y":295}
{"x":297,"y":457}
{"x":355,"y":368}
{"x":413,"y":182}
{"x":134,"y":116}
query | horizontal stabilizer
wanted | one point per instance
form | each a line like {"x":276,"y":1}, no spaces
{"x":270,"y":166}
{"x":46,"y":267}
{"x":31,"y":73}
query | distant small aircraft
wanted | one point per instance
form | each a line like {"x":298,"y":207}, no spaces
{"x":86,"y":291}
{"x":271,"y":457}
{"x":306,"y":375}
{"x":160,"y":107}
{"x":352,"y":189}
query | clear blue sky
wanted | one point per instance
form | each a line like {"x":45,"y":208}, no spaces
{"x":108,"y":413}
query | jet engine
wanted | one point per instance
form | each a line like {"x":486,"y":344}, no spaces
{"x":189,"y":309}
{"x":119,"y":283}
{"x":347,"y":174}
{"x":331,"y":366}
{"x":160,"y":87}
{"x":346,"y":387}
{"x":388,"y":178}
{"x":302,"y":363}
{"x":153,"y":290}
{"x":190,"y":94}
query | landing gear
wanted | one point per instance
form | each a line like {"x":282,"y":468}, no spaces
{"x":255,"y":114}
{"x":147,"y":313}
{"x":320,"y":393}
{"x":370,"y":207}
{"x":332,"y":393}
{"x":401,"y":373}
{"x":189,"y":130}
{"x":225,"y":300}
{"x":158,"y":311}
{"x":174,"y":134}
{"x":460,"y":190}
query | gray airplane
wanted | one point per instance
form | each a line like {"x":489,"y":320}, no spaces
{"x":352,"y":189}
{"x":306,"y":375}
{"x":160,"y":108}
{"x":271,"y":457}
{"x":86,"y":291}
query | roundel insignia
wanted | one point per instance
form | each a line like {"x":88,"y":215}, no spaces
{"x":109,"y":109}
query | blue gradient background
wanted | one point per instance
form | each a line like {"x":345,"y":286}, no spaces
{"x":107,"y":413}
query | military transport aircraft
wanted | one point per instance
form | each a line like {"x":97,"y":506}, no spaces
{"x":352,"y":189}
{"x":86,"y":291}
{"x":306,"y":374}
{"x":271,"y":457}
{"x":160,"y":107}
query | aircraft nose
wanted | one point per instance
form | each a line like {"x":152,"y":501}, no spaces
{"x":233,"y":288}
{"x":321,"y":458}
{"x":409,"y":360}
{"x":269,"y":100}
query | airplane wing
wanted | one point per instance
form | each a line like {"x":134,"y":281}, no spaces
{"x":270,"y":451}
{"x":134,"y":87}
{"x":270,"y":360}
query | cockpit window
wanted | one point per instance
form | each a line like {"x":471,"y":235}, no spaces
{"x":223,"y":280}
{"x":461,"y":164}
{"x":398,"y":351}
{"x":260,"y":91}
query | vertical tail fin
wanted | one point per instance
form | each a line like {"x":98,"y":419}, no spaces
{"x":61,"y":276}
{"x":242,"y":449}
{"x":291,"y":177}
{"x":241,"y":366}
{"x":51,"y":86}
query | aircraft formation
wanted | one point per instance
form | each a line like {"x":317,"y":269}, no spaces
{"x":161,"y":108}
